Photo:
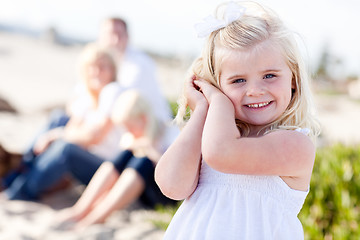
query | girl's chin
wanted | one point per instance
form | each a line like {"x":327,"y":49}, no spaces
{"x":259,"y":124}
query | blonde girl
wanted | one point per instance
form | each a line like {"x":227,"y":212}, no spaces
{"x":244,"y":159}
{"x":130,"y":176}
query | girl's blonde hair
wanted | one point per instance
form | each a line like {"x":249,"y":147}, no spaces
{"x":131,"y":105}
{"x":257,"y":25}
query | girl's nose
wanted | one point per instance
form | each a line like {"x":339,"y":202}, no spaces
{"x":255,"y":89}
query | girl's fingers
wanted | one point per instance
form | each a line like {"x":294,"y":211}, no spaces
{"x":207,"y":89}
{"x":202,"y":85}
{"x":196,"y":85}
{"x":190,"y":83}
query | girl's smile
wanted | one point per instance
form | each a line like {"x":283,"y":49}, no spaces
{"x":258,"y":105}
{"x":258,"y":82}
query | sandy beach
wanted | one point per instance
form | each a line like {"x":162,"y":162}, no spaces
{"x":37,"y":76}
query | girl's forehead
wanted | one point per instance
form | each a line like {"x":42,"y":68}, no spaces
{"x":259,"y":54}
{"x":258,"y":59}
{"x":259,"y":49}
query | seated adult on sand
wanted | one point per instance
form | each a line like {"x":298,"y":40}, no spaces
{"x":89,"y":127}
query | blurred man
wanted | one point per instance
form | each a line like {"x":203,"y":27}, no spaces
{"x":136,"y":69}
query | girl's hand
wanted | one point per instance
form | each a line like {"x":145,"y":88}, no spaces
{"x":194,"y":96}
{"x":208,"y":90}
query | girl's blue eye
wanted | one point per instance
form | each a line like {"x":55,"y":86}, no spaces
{"x":240,"y":80}
{"x":269,"y":76}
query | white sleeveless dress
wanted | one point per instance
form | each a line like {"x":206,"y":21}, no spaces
{"x":233,"y":206}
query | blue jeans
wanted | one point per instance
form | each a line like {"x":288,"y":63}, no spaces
{"x":50,"y":167}
{"x":57,"y":118}
{"x":62,"y":158}
{"x":152,"y":195}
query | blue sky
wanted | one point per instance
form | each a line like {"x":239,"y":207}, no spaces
{"x":167,"y":26}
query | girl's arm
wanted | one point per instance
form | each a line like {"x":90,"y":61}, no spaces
{"x":177,"y":171}
{"x":283,"y":153}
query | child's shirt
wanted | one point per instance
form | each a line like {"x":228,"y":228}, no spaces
{"x":234,"y":206}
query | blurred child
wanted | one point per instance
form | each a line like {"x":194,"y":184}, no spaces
{"x":129,"y":177}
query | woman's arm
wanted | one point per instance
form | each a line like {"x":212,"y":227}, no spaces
{"x":75,"y":132}
{"x":84,"y":134}
{"x":45,"y":139}
{"x":177,"y":171}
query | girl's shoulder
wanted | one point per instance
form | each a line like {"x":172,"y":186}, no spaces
{"x":283,"y":133}
{"x":296,"y":140}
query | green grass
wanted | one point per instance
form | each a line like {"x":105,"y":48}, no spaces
{"x":165,"y":213}
{"x":332,"y":209}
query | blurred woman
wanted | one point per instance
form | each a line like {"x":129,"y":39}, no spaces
{"x":89,"y":127}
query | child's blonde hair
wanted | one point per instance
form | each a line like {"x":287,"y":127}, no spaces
{"x":131,"y":105}
{"x":257,"y":25}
